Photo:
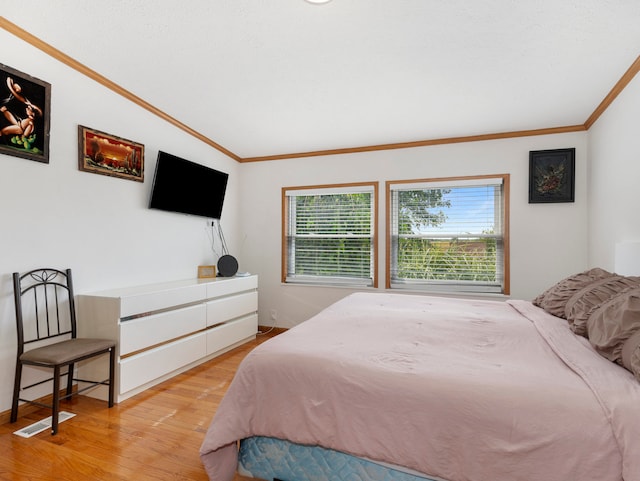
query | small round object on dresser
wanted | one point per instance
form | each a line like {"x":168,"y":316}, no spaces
{"x":227,"y":266}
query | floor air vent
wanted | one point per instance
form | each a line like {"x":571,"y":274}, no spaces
{"x":40,"y":426}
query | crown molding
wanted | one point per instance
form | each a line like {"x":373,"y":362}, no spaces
{"x":615,"y":91}
{"x":423,"y":143}
{"x":101,"y":79}
{"x":69,"y":61}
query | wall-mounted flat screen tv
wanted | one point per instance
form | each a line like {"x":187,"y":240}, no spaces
{"x":180,"y":185}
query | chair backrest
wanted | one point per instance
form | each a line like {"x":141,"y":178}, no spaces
{"x":44,"y":305}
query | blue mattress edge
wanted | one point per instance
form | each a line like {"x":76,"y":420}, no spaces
{"x":269,"y":458}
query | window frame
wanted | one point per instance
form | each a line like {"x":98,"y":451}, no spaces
{"x":344,"y":188}
{"x":441,"y":182}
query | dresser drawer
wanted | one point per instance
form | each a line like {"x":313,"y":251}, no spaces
{"x":147,"y":331}
{"x":225,"y":286}
{"x":147,"y":366}
{"x":235,"y":331}
{"x":222,"y":310}
{"x":140,"y":303}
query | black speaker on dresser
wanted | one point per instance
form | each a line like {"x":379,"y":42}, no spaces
{"x":227,"y":266}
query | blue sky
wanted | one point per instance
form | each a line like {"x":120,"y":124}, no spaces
{"x":472,"y":210}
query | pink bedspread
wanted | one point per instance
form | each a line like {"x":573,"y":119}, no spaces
{"x":458,"y":389}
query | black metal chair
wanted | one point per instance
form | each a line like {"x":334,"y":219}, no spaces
{"x":46,"y":323}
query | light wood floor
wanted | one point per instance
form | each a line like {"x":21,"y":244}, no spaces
{"x":155,"y":435}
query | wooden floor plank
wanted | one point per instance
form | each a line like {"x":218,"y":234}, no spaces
{"x":153,"y":436}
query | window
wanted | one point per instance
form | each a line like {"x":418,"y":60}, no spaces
{"x":449,"y":235}
{"x":329,"y":234}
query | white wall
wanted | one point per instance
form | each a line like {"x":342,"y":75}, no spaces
{"x":614,"y":178}
{"x":548,"y":241}
{"x":55,"y":215}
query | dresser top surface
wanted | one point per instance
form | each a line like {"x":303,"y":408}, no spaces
{"x":161,"y":286}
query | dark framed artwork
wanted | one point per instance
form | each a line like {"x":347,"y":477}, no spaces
{"x":106,"y":154}
{"x":551,"y":175}
{"x":25,"y":104}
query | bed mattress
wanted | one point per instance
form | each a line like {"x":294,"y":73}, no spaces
{"x":271,"y":458}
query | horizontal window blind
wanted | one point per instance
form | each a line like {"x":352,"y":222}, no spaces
{"x":448,"y":236}
{"x":330,"y":235}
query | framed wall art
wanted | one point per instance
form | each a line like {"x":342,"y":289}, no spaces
{"x":106,"y":154}
{"x":25,"y":104}
{"x":551,"y":175}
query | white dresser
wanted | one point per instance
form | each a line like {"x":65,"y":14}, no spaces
{"x":165,"y":329}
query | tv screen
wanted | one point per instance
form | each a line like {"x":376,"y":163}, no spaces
{"x":180,"y":185}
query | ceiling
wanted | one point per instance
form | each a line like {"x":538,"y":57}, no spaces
{"x":280,"y":77}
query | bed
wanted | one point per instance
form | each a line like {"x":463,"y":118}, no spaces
{"x":442,"y":389}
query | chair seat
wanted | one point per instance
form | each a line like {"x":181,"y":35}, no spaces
{"x":65,"y":352}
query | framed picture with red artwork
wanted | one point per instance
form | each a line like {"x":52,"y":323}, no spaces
{"x":106,"y":154}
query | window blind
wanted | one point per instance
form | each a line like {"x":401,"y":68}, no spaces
{"x":330,"y":235}
{"x":448,"y":235}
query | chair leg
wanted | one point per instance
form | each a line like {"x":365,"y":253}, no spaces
{"x":16,"y":392}
{"x":112,"y":375}
{"x":70,"y":380}
{"x":56,"y":400}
